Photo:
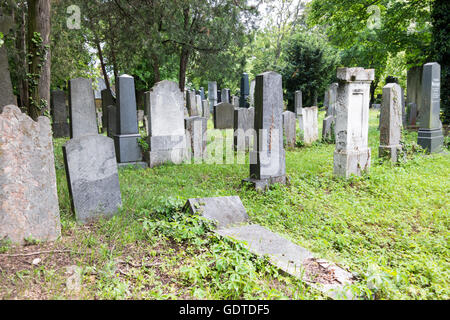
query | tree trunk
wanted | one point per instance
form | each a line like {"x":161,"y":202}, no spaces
{"x":102,"y":63}
{"x":21,"y":45}
{"x":184,"y":58}
{"x":156,"y":72}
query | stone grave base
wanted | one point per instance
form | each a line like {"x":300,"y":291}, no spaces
{"x":61,"y":130}
{"x":390,"y":152}
{"x":157,"y":158}
{"x":264,"y":183}
{"x":127,"y":148}
{"x":430,"y":139}
{"x":355,"y":163}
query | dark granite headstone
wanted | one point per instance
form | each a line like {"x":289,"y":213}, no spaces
{"x":58,"y":110}
{"x":245,"y":91}
{"x":224,"y":116}
{"x":107,"y":100}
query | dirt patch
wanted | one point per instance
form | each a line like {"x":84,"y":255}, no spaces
{"x":318,"y":271}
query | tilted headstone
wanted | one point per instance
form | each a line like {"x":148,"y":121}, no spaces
{"x":224,"y":116}
{"x":205,"y":109}
{"x":289,"y":128}
{"x":6,"y":90}
{"x":58,"y":110}
{"x":352,"y":154}
{"x":108,"y":99}
{"x":390,"y":122}
{"x":127,"y":134}
{"x":252,"y":93}
{"x":267,"y":162}
{"x":244,"y":119}
{"x":245,"y":91}
{"x":414,"y":89}
{"x":83,"y":117}
{"x":91,"y":170}
{"x":196,"y":137}
{"x":430,"y":135}
{"x":212,"y":95}
{"x":28,"y":197}
{"x":310,"y":125}
{"x":166,"y":136}
{"x":191,"y":103}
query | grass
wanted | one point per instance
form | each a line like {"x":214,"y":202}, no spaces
{"x":390,"y":227}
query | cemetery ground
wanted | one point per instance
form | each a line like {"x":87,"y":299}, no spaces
{"x":389,"y":227}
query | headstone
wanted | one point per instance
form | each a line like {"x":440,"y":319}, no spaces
{"x":92,"y":176}
{"x":267,"y":162}
{"x":252,"y":93}
{"x":198,"y":102}
{"x":328,"y":129}
{"x":205,"y":109}
{"x":412,"y":113}
{"x":225,"y":95}
{"x":28,"y":197}
{"x":58,"y":109}
{"x":126,"y":137}
{"x":376,"y":106}
{"x":219,"y":96}
{"x":6,"y":89}
{"x":414,"y":88}
{"x":108,"y":99}
{"x":196,"y":131}
{"x":244,"y":119}
{"x":83,"y":119}
{"x":202,"y":93}
{"x":166,"y":136}
{"x":235,"y":101}
{"x":310,"y":125}
{"x":430,"y":135}
{"x":289,"y":128}
{"x":332,"y":98}
{"x":224,"y":116}
{"x":112,"y":120}
{"x":191,"y":103}
{"x":352,"y":154}
{"x":391,"y":122}
{"x":212,"y":95}
{"x":245,"y":91}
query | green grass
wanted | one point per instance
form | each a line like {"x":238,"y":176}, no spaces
{"x":390,"y":227}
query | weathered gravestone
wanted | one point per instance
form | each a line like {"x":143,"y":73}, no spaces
{"x":328,"y":125}
{"x":58,"y":110}
{"x":83,"y":119}
{"x":414,"y":91}
{"x":28,"y":198}
{"x":223,"y":116}
{"x":267,"y":162}
{"x":92,"y":177}
{"x":198,"y":103}
{"x":191,"y":103}
{"x":127,"y":134}
{"x":310,"y":125}
{"x":430,"y":135}
{"x":244,"y":134}
{"x":107,"y":100}
{"x":225,"y":95}
{"x":251,"y":97}
{"x":6,"y":90}
{"x":212,"y":95}
{"x":298,"y":108}
{"x":411,"y":112}
{"x":235,"y":101}
{"x":352,"y":154}
{"x":332,"y":98}
{"x":289,"y":128}
{"x":196,"y":138}
{"x":245,"y":91}
{"x":205,"y":109}
{"x":166,"y":136}
{"x":390,"y":122}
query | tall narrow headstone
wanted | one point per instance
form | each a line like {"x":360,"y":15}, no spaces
{"x":196,"y":132}
{"x":212,"y":95}
{"x":235,"y":101}
{"x":112,"y":120}
{"x":191,"y":103}
{"x":430,"y":135}
{"x":310,"y":125}
{"x":226,"y":95}
{"x":166,"y":136}
{"x":267,"y":162}
{"x":28,"y":198}
{"x":58,"y":110}
{"x":245,"y":91}
{"x":414,"y":89}
{"x":352,"y":154}
{"x":390,"y":122}
{"x":244,"y":119}
{"x":108,"y":99}
{"x":205,"y":109}
{"x":126,"y":137}
{"x":289,"y":126}
{"x":219,"y":96}
{"x":251,"y":97}
{"x":83,"y":119}
{"x":298,"y":107}
{"x":198,"y":102}
{"x":202,"y":93}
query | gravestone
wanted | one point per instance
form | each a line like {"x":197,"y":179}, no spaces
{"x":140,"y":116}
{"x":289,"y":126}
{"x":202,"y":93}
{"x":390,"y":122}
{"x":58,"y":109}
{"x":244,"y":119}
{"x":332,"y":97}
{"x":205,"y":109}
{"x":414,"y":88}
{"x":212,"y":95}
{"x":112,"y":120}
{"x":92,"y":176}
{"x":352,"y":154}
{"x":310,"y":125}
{"x":223,"y":116}
{"x":328,"y":129}
{"x":430,"y":135}
{"x":107,"y":100}
{"x":196,"y":137}
{"x":252,"y":93}
{"x":166,"y":136}
{"x":245,"y":91}
{"x":298,"y":107}
{"x":83,"y":119}
{"x":219,"y":96}
{"x":191,"y":103}
{"x":376,"y":106}
{"x":126,"y":136}
{"x":411,"y":112}
{"x":225,"y":95}
{"x":198,"y":102}
{"x":267,"y":162}
{"x":235,"y":101}
{"x":28,"y":197}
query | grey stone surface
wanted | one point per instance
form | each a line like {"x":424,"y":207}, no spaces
{"x":166,"y":140}
{"x":414,"y":88}
{"x":59,"y":114}
{"x":108,"y":99}
{"x":83,"y":119}
{"x":235,"y":101}
{"x":245,"y":91}
{"x":6,"y":89}
{"x":352,"y":154}
{"x":127,"y":133}
{"x":198,"y":103}
{"x":28,"y":196}
{"x":310,"y":124}
{"x":391,"y":122}
{"x":411,"y":114}
{"x":268,"y":161}
{"x":225,"y":211}
{"x":196,"y":128}
{"x":289,"y":128}
{"x":332,"y":98}
{"x":225,"y":95}
{"x":112,"y":120}
{"x":191,"y":103}
{"x":244,"y":133}
{"x":430,"y":135}
{"x":223,"y":116}
{"x":252,"y":93}
{"x":92,"y":176}
{"x":328,"y":129}
{"x":205,"y":109}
